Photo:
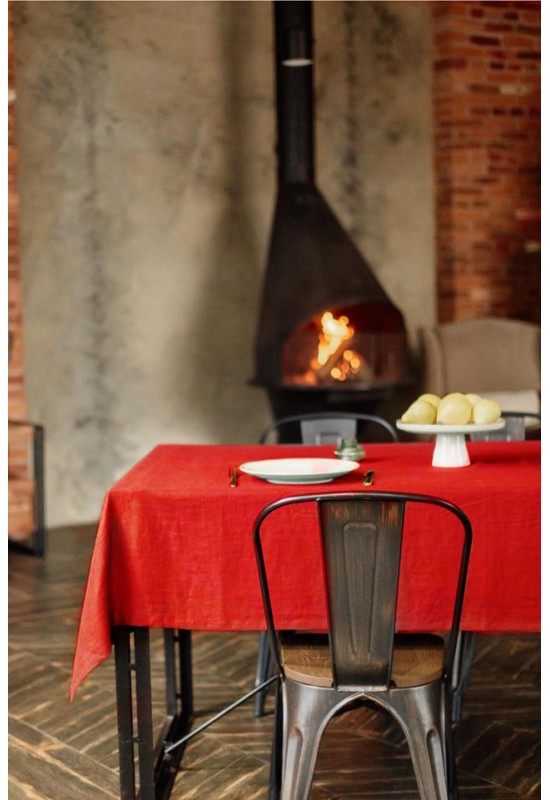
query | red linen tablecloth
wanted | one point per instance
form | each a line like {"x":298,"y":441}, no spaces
{"x":174,"y":543}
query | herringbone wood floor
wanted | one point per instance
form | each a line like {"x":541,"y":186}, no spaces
{"x":62,"y":751}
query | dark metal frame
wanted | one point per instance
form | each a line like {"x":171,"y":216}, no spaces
{"x":465,"y":653}
{"x":36,"y":543}
{"x":148,"y":769}
{"x":137,"y":751}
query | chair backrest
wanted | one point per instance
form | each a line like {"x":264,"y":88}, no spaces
{"x":361,"y":535}
{"x":514,"y":429}
{"x":481,"y":356}
{"x":327,"y":427}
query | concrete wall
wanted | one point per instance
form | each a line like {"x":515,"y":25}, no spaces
{"x":146,"y":174}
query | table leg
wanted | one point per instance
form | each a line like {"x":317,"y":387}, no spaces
{"x":263,"y":671}
{"x":123,"y":666}
{"x":144,"y":702}
{"x":157,"y":772}
{"x":464,"y":657}
{"x":179,"y":707}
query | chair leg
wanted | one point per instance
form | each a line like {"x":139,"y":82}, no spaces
{"x":419,"y":712}
{"x":263,"y":672}
{"x":275,"y":773}
{"x":307,"y":710}
{"x":448,"y":745}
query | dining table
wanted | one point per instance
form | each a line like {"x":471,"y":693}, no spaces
{"x":174,"y":551}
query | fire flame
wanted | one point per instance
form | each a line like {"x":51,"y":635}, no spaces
{"x":349,"y":365}
{"x":332,"y":359}
{"x":333,"y":333}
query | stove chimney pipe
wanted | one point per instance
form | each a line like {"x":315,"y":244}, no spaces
{"x":294,"y":91}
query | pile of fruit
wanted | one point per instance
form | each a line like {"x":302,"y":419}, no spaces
{"x":453,"y":409}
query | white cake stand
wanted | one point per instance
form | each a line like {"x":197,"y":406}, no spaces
{"x":450,"y":440}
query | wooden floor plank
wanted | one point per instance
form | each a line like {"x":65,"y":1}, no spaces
{"x":51,"y":769}
{"x":64,"y":751}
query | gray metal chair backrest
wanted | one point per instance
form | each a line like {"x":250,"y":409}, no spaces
{"x":327,"y":431}
{"x":361,"y":544}
{"x":329,"y":427}
{"x":513,"y":431}
{"x":362,"y":549}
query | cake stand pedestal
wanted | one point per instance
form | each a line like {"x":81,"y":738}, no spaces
{"x":450,"y":440}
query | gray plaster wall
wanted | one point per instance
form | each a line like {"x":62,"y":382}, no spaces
{"x":147,"y":184}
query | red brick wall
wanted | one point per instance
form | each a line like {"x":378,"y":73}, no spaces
{"x":16,"y":387}
{"x":18,"y":439}
{"x":487,"y":158}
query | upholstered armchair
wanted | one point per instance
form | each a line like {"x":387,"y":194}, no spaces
{"x":492,"y":357}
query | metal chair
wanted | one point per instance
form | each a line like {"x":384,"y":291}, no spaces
{"x":514,"y":430}
{"x":361,"y":658}
{"x":328,"y":427}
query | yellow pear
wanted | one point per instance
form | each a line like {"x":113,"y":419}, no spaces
{"x":454,"y":409}
{"x":431,"y":398}
{"x":486,"y":412}
{"x":419,"y":413}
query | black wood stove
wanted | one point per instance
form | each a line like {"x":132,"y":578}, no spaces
{"x":328,"y":337}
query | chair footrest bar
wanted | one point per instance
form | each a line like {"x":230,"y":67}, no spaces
{"x":169,"y":746}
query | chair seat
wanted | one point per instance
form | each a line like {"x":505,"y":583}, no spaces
{"x":417,"y":659}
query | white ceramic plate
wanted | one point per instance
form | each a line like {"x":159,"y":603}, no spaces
{"x":431,"y":429}
{"x":299,"y":470}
